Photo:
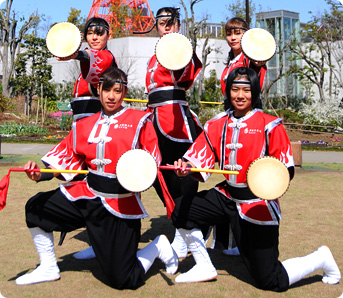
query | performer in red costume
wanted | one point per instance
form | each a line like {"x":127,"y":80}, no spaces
{"x":111,"y":214}
{"x":175,"y":124}
{"x":93,"y":62}
{"x":235,"y":139}
{"x":235,"y":29}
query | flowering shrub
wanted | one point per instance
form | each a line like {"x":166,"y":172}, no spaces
{"x":328,"y":112}
{"x":335,"y":141}
{"x":59,"y":114}
{"x":314,"y":144}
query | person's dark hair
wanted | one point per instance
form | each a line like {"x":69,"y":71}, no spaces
{"x":235,"y":23}
{"x":251,"y":76}
{"x":112,"y":76}
{"x":174,"y":12}
{"x":100,"y":26}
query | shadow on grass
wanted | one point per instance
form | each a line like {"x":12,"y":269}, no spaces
{"x":231,"y":265}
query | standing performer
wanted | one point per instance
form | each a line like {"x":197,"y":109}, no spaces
{"x":111,"y":214}
{"x":93,"y":61}
{"x":235,"y":29}
{"x":235,"y":139}
{"x":175,"y":124}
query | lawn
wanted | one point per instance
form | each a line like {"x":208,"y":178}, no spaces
{"x":312,"y":216}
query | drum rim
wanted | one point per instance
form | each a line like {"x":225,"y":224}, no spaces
{"x":246,"y":33}
{"x":266,"y":158}
{"x":168,"y":35}
{"x":76,"y":30}
{"x":147,"y":154}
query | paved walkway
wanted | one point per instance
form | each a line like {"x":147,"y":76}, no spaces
{"x":41,"y":149}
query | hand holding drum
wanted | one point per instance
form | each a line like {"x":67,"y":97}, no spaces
{"x":268,"y":178}
{"x":64,"y":40}
{"x":174,"y":51}
{"x":258,"y":45}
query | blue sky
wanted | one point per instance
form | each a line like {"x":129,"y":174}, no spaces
{"x":58,"y":10}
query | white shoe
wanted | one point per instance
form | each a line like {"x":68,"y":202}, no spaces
{"x":38,"y":275}
{"x":197,"y":274}
{"x":167,"y":254}
{"x":85,"y":254}
{"x":232,"y":252}
{"x":331,"y":274}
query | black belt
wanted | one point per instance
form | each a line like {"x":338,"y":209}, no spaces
{"x":166,"y":95}
{"x":105,"y":184}
{"x":239,"y":193}
{"x":86,"y":106}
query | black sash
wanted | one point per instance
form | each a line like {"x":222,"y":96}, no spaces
{"x":105,"y":184}
{"x":86,"y":106}
{"x":165,"y":95}
{"x":239,"y":193}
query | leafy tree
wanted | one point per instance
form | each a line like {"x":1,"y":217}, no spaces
{"x":238,"y":9}
{"x":324,"y":34}
{"x":192,"y":31}
{"x":212,"y":88}
{"x":32,"y":71}
{"x":75,"y":18}
{"x":10,"y":39}
{"x":332,"y":27}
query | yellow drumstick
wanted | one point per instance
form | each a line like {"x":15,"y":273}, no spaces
{"x":211,"y":102}
{"x":202,"y":170}
{"x":136,"y":100}
{"x":59,"y":171}
{"x":146,"y":101}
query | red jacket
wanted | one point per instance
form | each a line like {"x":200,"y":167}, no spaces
{"x":235,"y":144}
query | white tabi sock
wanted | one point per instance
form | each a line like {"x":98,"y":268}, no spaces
{"x":204,"y":269}
{"x":159,"y":248}
{"x":321,"y":259}
{"x":48,"y":269}
{"x":179,"y":245}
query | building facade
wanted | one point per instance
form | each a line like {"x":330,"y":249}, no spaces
{"x":283,"y":25}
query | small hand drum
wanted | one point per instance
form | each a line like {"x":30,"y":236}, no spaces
{"x":136,"y":170}
{"x":174,"y":51}
{"x":258,"y":45}
{"x":63,"y":40}
{"x":268,"y":178}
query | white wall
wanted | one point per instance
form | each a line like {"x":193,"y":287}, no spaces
{"x":133,"y":53}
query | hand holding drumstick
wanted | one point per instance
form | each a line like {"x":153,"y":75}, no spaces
{"x":180,"y":167}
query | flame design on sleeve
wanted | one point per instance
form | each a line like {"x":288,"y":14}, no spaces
{"x":202,"y":159}
{"x":97,"y":70}
{"x":155,"y":153}
{"x":287,"y":158}
{"x":60,"y":156}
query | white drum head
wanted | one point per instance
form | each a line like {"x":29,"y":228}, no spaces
{"x":174,"y":51}
{"x":268,"y":178}
{"x":258,"y":44}
{"x":63,"y":40}
{"x":136,"y":170}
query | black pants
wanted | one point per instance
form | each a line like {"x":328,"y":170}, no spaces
{"x":114,"y":240}
{"x":170,"y":152}
{"x":258,"y":244}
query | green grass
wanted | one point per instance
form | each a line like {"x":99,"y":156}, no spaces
{"x":322,"y":166}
